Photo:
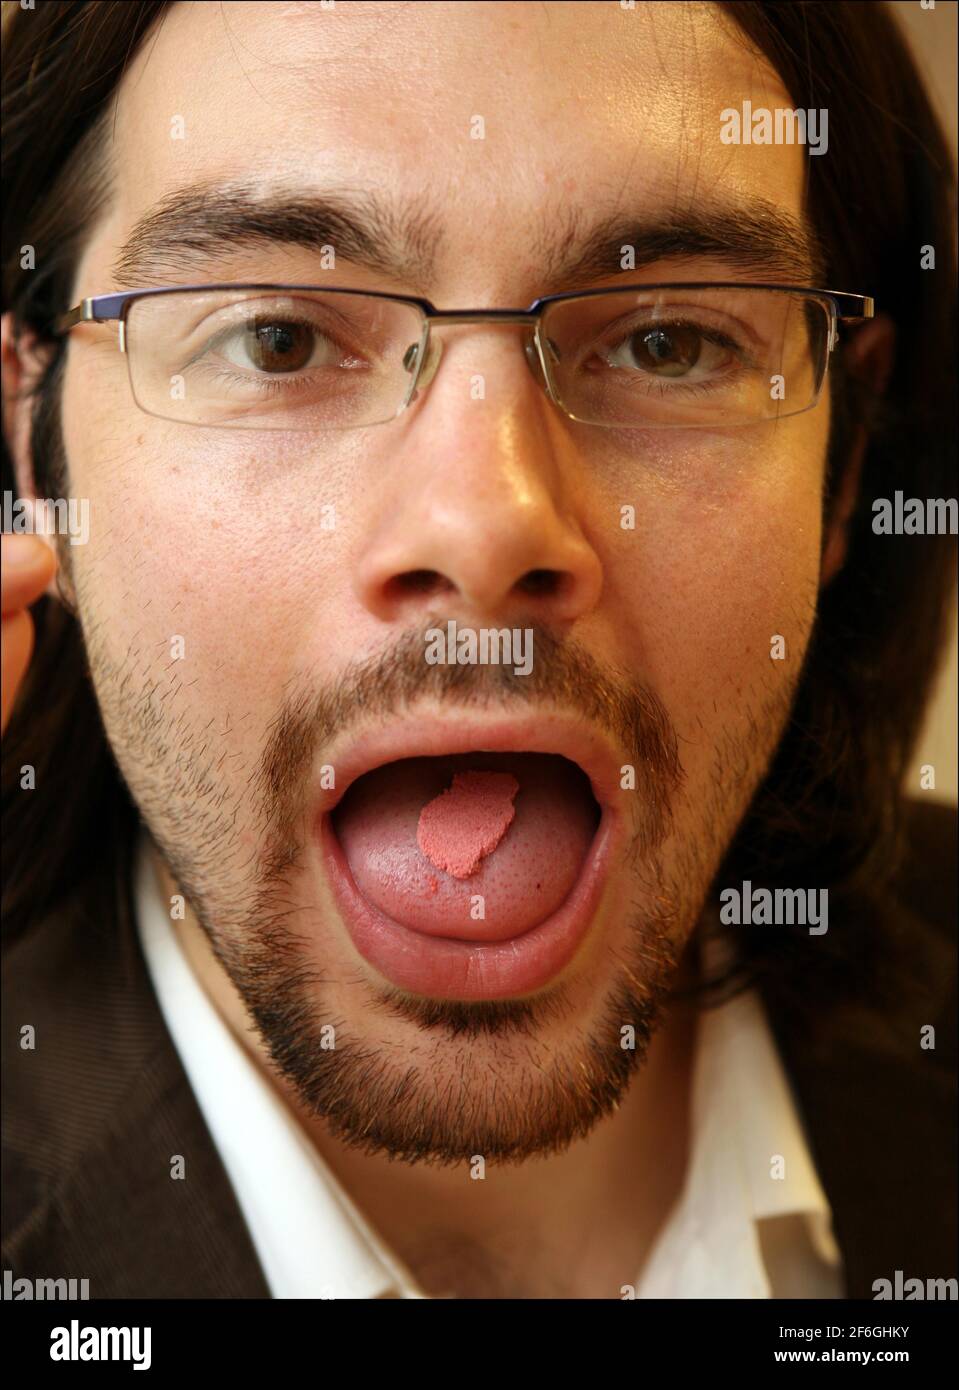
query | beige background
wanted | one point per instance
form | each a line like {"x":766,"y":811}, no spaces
{"x":932,"y":34}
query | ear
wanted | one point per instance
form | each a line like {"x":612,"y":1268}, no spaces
{"x":23,"y":360}
{"x":868,"y":357}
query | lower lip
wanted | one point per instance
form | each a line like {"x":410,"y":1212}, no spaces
{"x":443,"y":968}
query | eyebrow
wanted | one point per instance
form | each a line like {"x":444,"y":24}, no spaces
{"x":754,"y":236}
{"x":196,"y":225}
{"x":193,"y":228}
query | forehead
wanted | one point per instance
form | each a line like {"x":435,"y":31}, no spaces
{"x":497,"y":118}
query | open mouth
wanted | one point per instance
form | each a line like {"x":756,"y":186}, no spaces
{"x":471,"y":874}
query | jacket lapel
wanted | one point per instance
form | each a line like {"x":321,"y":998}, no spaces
{"x":879,"y":1109}
{"x":97,"y":1115}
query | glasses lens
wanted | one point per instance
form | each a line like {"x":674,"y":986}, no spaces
{"x":686,"y":357}
{"x":273,"y":359}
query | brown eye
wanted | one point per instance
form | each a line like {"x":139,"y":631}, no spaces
{"x":277,"y":346}
{"x":669,"y":350}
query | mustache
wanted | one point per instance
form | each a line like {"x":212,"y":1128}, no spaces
{"x":391,"y":682}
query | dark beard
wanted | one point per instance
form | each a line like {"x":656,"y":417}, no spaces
{"x":438,"y":1096}
{"x":369,"y":1097}
{"x":369,"y":1102}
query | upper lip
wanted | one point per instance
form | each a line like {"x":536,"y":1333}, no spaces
{"x":438,"y":733}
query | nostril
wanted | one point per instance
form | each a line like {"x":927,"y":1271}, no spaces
{"x":417,"y":584}
{"x":540,"y":583}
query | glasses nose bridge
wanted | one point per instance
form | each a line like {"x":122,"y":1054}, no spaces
{"x":454,"y":317}
{"x":451,"y":316}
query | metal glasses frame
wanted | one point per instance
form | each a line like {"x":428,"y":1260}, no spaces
{"x":103,"y":308}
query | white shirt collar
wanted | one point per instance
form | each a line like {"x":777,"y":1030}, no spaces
{"x":749,"y":1169}
{"x":312,"y":1242}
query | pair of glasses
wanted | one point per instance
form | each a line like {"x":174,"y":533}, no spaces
{"x":301,"y":357}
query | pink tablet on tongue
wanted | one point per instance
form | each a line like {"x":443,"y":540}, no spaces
{"x":464,"y":824}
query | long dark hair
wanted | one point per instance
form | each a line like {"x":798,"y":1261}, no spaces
{"x":829,"y":813}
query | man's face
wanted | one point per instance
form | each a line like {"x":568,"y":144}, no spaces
{"x":302,"y":642}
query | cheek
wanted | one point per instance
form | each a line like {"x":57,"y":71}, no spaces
{"x":723,"y":559}
{"x":214,"y":557}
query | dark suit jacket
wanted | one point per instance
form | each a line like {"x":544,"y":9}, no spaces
{"x":94,"y":1112}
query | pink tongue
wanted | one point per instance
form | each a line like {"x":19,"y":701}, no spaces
{"x":426,"y":838}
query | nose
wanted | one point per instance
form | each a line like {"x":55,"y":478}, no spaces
{"x":480,"y":514}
